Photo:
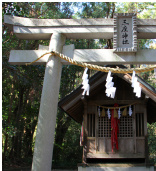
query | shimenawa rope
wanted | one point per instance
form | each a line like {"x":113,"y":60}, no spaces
{"x":121,"y":107}
{"x":95,"y":67}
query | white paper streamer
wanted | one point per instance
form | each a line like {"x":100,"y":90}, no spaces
{"x":133,"y":76}
{"x":99,"y":111}
{"x":136,"y":85}
{"x":130,"y":111}
{"x":85,"y":84}
{"x":119,"y":113}
{"x":108,"y":113}
{"x":110,"y":90}
{"x":155,"y":72}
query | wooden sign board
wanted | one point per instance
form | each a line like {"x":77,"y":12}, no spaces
{"x":125,"y":32}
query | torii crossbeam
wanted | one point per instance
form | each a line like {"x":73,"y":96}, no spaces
{"x":57,"y":30}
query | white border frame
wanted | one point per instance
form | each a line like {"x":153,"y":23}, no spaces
{"x":134,"y":32}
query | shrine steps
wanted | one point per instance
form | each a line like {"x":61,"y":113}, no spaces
{"x":115,"y":167}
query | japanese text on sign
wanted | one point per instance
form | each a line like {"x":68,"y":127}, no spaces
{"x":124,"y":32}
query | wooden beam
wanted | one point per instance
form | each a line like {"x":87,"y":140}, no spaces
{"x":117,"y":155}
{"x":107,"y":102}
{"x":108,"y":56}
{"x":33,"y":22}
{"x":87,"y":32}
{"x":21,"y":57}
{"x":41,"y":29}
{"x":92,"y":56}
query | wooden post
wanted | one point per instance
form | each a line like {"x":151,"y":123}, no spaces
{"x":96,"y":130}
{"x":42,"y":158}
{"x":146,"y":137}
{"x":85,"y":132}
{"x":134,"y":128}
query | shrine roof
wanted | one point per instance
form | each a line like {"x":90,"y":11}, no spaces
{"x":73,"y":103}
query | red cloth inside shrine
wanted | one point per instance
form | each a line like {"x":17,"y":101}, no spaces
{"x":114,"y":129}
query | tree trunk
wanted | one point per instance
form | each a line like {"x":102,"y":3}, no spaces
{"x":9,"y":116}
{"x":108,"y":5}
{"x":28,"y":139}
{"x":60,"y":133}
{"x":19,"y":122}
{"x":109,"y":44}
{"x":5,"y":148}
{"x":113,"y":10}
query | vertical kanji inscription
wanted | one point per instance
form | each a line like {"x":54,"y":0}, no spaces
{"x":125,"y":35}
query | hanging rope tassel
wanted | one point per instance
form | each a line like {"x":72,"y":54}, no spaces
{"x":124,"y":112}
{"x":115,"y":114}
{"x":103,"y":114}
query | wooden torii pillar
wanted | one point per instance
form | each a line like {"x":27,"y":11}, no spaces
{"x":57,"y":30}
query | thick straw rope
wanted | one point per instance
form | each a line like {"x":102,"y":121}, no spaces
{"x":95,"y":67}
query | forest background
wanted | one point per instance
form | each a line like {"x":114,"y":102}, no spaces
{"x":22,"y":85}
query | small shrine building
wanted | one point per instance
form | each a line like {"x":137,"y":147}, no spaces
{"x":99,"y":142}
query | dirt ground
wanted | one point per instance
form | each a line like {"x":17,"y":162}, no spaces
{"x":27,"y":169}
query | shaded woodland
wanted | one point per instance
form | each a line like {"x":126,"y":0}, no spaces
{"x":22,"y":85}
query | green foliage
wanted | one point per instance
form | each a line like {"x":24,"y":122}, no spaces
{"x":22,"y":85}
{"x":142,"y":9}
{"x":149,"y":77}
{"x":151,"y":142}
{"x":70,"y":152}
{"x":96,"y":9}
{"x":22,"y":88}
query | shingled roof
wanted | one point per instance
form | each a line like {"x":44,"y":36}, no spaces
{"x":73,"y":104}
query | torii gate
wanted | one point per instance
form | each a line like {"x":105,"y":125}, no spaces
{"x":125,"y":29}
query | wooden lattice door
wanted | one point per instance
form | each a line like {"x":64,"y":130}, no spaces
{"x":131,"y":137}
{"x":125,"y":136}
